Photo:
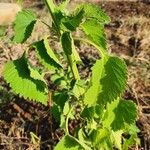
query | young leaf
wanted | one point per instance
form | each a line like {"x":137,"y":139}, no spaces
{"x":95,"y":32}
{"x":73,"y":21}
{"x":24,"y":24}
{"x":101,"y":139}
{"x":94,"y":11}
{"x":119,"y":113}
{"x":46,"y":55}
{"x":17,"y":74}
{"x":62,"y":6}
{"x":109,"y":76}
{"x":60,"y":99}
{"x":117,"y":136}
{"x":88,"y":112}
{"x":129,"y":142}
{"x":67,"y":143}
{"x":125,"y":113}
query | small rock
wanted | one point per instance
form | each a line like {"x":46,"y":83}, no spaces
{"x":8,"y":13}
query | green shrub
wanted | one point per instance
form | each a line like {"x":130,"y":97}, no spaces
{"x":106,"y":118}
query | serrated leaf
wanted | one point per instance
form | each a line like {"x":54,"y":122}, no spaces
{"x":67,"y":143}
{"x":88,"y":112}
{"x":95,"y":32}
{"x":62,"y":6}
{"x":109,"y":77}
{"x":93,"y":112}
{"x":117,"y":136}
{"x":109,"y":114}
{"x":119,"y":113}
{"x":73,"y":21}
{"x":94,"y":11}
{"x":46,"y":55}
{"x":101,"y":139}
{"x":24,"y":24}
{"x":130,"y":141}
{"x":114,"y":79}
{"x":125,"y":113}
{"x":60,"y":99}
{"x":56,"y":112}
{"x":50,"y":51}
{"x":34,"y":73}
{"x":17,"y":74}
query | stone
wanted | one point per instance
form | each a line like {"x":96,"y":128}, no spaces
{"x":8,"y":12}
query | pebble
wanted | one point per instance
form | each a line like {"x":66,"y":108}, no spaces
{"x":8,"y":13}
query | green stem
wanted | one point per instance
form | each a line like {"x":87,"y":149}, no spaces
{"x":73,"y":67}
{"x":67,"y":121}
{"x":51,"y":7}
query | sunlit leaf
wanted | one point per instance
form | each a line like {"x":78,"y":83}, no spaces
{"x":24,"y":24}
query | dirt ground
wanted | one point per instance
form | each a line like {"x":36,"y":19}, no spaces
{"x":128,"y":37}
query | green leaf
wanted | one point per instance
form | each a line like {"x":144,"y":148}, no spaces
{"x":67,"y":143}
{"x":17,"y":74}
{"x":114,"y":79}
{"x":101,"y":139}
{"x":69,"y":47}
{"x":94,"y":11}
{"x":88,"y":112}
{"x":130,"y":142}
{"x":62,"y":6}
{"x":24,"y":24}
{"x":56,"y":112}
{"x":73,"y":21}
{"x":60,"y":99}
{"x":109,"y":77}
{"x":78,"y":89}
{"x":46,"y":55}
{"x":125,"y":113}
{"x":66,"y":41}
{"x":109,"y":114}
{"x":66,"y":108}
{"x":95,"y":32}
{"x":117,"y":136}
{"x":34,"y":73}
{"x":119,"y":113}
{"x":91,"y":94}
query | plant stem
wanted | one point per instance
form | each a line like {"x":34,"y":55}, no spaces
{"x":73,"y":67}
{"x":51,"y":7}
{"x":67,"y":120}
